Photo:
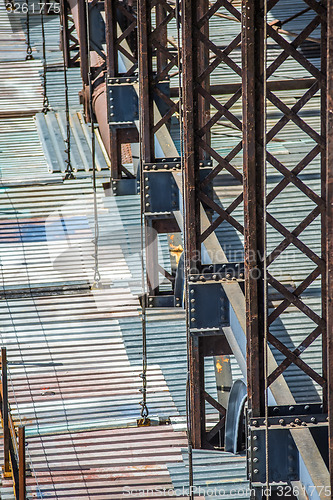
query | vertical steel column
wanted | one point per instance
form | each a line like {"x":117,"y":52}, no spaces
{"x":6,"y":434}
{"x":324,"y":295}
{"x":145,"y":79}
{"x":329,"y":231}
{"x":192,"y":207}
{"x":111,"y":37}
{"x":253,"y":164}
{"x":191,"y":67}
{"x":147,"y":153}
{"x":22,"y":473}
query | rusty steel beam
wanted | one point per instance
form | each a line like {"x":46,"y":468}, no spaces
{"x":254,"y":171}
{"x":276,"y":85}
{"x":4,"y":412}
{"x":190,"y":69}
{"x":329,"y":232}
{"x":22,"y":463}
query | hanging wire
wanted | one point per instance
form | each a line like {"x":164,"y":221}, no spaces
{"x":186,"y":270}
{"x":29,"y":56}
{"x":265,"y":245}
{"x":46,"y":106}
{"x":143,"y":403}
{"x":69,"y":172}
{"x":97,"y":277}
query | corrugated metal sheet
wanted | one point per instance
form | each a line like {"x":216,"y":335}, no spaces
{"x":53,"y":134}
{"x":74,"y":354}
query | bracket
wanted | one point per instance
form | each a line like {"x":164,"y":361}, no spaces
{"x":209,"y":307}
{"x":283,"y":458}
{"x":122,"y":99}
{"x":125,"y":187}
{"x":293,"y":417}
{"x":160,"y":192}
{"x":231,"y":271}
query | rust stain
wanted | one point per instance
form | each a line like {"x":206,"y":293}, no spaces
{"x":176,"y":251}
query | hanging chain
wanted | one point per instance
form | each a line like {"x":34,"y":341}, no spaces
{"x":69,"y":172}
{"x":97,"y":277}
{"x":29,"y":56}
{"x":46,"y":107}
{"x":144,"y":421}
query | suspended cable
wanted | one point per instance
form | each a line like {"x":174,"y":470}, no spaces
{"x":186,"y":266}
{"x":29,"y":56}
{"x":69,"y":172}
{"x":46,"y":107}
{"x":143,"y":403}
{"x":97,"y":277}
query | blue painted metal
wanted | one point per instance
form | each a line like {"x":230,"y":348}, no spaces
{"x":122,"y":100}
{"x":237,"y":398}
{"x":209,"y":307}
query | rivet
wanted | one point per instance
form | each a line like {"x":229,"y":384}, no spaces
{"x":192,"y":310}
{"x":304,"y":424}
{"x":147,"y":204}
{"x":255,"y":437}
{"x":255,"y":471}
{"x":297,"y":421}
{"x":255,"y":460}
{"x":313,"y":420}
{"x":282,"y":421}
{"x":255,"y":423}
{"x":255,"y":448}
{"x":192,"y":291}
{"x":193,"y":320}
{"x":192,"y":300}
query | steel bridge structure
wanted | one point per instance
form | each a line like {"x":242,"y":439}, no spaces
{"x":225,"y":110}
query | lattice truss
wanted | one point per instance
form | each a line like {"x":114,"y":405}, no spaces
{"x":295,"y":162}
{"x":121,"y":30}
{"x":159,"y":39}
{"x":217,"y":94}
{"x":69,"y":39}
{"x":296,"y":188}
{"x":158,"y":65}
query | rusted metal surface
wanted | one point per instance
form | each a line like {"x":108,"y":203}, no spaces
{"x":254,"y":211}
{"x":329,"y":226}
{"x":254,"y":182}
